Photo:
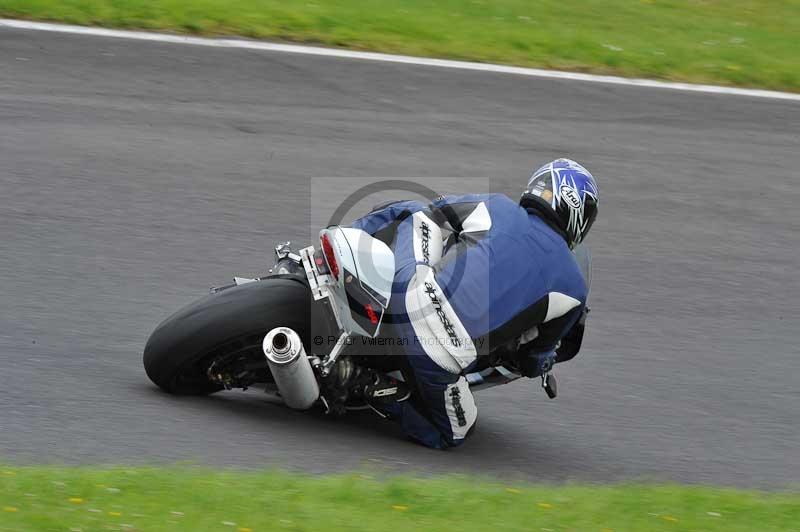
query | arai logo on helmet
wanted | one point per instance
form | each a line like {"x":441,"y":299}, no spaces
{"x":570,"y":196}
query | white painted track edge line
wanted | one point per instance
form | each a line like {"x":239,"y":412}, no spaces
{"x":390,"y":58}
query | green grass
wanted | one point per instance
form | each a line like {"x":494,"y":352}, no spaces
{"x":53,"y":498}
{"x":736,"y":42}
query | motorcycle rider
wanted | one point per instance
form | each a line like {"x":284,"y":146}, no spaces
{"x":479,"y":277}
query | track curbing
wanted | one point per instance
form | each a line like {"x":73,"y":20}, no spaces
{"x":390,"y":58}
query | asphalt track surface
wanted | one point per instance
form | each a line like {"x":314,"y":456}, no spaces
{"x":134,"y":175}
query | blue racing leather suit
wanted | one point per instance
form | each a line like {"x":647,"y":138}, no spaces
{"x":473,"y":274}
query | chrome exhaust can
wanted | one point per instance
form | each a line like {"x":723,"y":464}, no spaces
{"x":290,"y":368}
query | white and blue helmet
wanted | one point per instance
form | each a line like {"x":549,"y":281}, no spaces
{"x":571,"y":192}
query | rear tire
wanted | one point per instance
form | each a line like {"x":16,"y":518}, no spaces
{"x":182,"y":346}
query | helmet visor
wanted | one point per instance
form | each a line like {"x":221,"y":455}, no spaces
{"x":541,"y":185}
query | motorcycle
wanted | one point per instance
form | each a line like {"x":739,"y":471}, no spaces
{"x":302,"y":332}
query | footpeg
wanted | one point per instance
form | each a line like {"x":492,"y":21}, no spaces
{"x":550,"y":385}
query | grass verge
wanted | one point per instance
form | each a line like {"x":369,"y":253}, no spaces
{"x":51,"y":498}
{"x":735,"y":42}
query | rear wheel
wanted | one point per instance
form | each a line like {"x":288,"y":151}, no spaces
{"x":233,"y":321}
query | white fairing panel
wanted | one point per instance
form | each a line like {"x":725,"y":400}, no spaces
{"x":368,"y":258}
{"x":366,"y":272}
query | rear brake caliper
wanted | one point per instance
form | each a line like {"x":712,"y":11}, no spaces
{"x":286,"y":260}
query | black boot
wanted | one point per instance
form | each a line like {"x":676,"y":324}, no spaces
{"x":384,"y":390}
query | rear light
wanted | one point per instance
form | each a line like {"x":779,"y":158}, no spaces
{"x":373,"y":318}
{"x":330,"y":257}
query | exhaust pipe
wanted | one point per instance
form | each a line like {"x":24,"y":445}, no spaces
{"x":290,"y":368}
